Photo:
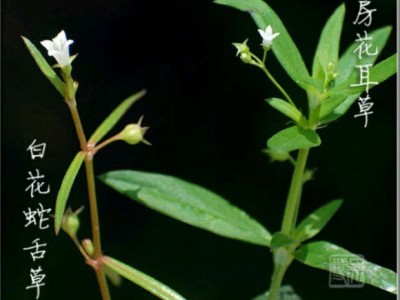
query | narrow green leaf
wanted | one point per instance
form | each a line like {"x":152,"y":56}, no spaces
{"x":280,"y":239}
{"x":283,"y":46}
{"x":340,"y":110}
{"x":188,"y":203}
{"x":285,"y":108}
{"x":348,"y":61}
{"x":331,"y":102}
{"x":324,"y":255}
{"x":44,"y":66}
{"x":314,"y":223}
{"x":328,"y":46}
{"x":65,"y":188}
{"x":145,"y":281}
{"x":378,"y":73}
{"x":294,"y":138}
{"x":114,"y":117}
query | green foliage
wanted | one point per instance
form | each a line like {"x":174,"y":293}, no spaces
{"x":314,"y":222}
{"x":287,"y":109}
{"x":330,"y":93}
{"x":113,"y":276}
{"x":347,"y":62}
{"x":45,"y":67}
{"x":188,"y":203}
{"x":321,"y":255}
{"x":334,"y":112}
{"x":332,"y":101}
{"x":114,"y":117}
{"x":294,"y":138}
{"x":279,"y":239}
{"x":283,"y":46}
{"x":328,"y":47}
{"x":145,"y":281}
{"x":65,"y":188}
{"x":377,"y":73}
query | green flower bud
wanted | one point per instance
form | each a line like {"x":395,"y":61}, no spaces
{"x":87,"y":245}
{"x":243,"y":51}
{"x":331,"y":75}
{"x":246,"y":58}
{"x":241,"y":47}
{"x":134,"y":133}
{"x":70,"y":223}
{"x":277,"y":155}
{"x":308,"y":175}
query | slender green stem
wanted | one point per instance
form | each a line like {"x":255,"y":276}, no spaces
{"x":283,"y":257}
{"x":80,"y":248}
{"x":276,"y":282}
{"x":94,"y":215}
{"x":264,"y":56}
{"x":261,"y":65}
{"x":264,"y":68}
{"x":78,"y":124}
{"x":294,"y":196}
{"x":103,"y":285}
{"x":106,"y":142}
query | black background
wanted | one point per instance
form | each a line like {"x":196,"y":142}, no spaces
{"x":208,"y":124}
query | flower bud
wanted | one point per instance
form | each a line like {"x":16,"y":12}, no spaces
{"x":331,"y":75}
{"x":87,"y":245}
{"x":277,"y":155}
{"x":308,"y":175}
{"x":241,"y":47}
{"x":134,"y":133}
{"x":245,"y":58}
{"x":70,"y":222}
{"x":243,"y":51}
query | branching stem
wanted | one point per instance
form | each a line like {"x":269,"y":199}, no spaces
{"x":94,"y":214}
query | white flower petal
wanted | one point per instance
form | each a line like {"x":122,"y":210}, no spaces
{"x":61,"y":37}
{"x":47,"y":44}
{"x":267,"y":36}
{"x":268,"y":30}
{"x":59,"y":48}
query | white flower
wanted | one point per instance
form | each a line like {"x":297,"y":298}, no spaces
{"x":268,"y":36}
{"x":59,"y":48}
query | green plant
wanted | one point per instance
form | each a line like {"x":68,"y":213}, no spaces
{"x":91,"y":249}
{"x":329,"y":93}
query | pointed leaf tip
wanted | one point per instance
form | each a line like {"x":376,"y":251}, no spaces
{"x":115,"y":116}
{"x":43,"y":65}
{"x":141,"y":279}
{"x":189,"y":203}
